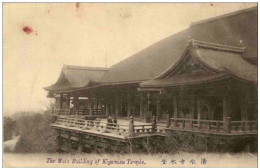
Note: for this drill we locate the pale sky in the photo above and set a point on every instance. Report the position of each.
(39, 38)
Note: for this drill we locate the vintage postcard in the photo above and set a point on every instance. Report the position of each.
(130, 85)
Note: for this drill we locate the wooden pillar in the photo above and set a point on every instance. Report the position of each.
(107, 108)
(59, 139)
(131, 127)
(174, 104)
(129, 105)
(117, 105)
(226, 108)
(192, 108)
(68, 100)
(75, 102)
(154, 126)
(168, 123)
(149, 103)
(158, 108)
(243, 108)
(80, 145)
(199, 111)
(68, 140)
(61, 100)
(141, 105)
(90, 108)
(68, 103)
(121, 104)
(112, 107)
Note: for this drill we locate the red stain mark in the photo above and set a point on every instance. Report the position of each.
(77, 5)
(27, 30)
(211, 4)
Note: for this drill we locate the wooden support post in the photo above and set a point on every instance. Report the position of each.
(68, 103)
(175, 123)
(192, 107)
(76, 105)
(59, 139)
(90, 108)
(141, 105)
(154, 127)
(218, 126)
(131, 127)
(107, 108)
(168, 124)
(199, 112)
(174, 104)
(228, 125)
(129, 104)
(68, 140)
(80, 145)
(148, 101)
(158, 108)
(112, 107)
(226, 109)
(61, 100)
(117, 105)
(183, 123)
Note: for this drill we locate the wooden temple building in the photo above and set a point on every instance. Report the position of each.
(202, 79)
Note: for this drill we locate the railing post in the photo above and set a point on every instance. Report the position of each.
(168, 121)
(154, 124)
(199, 124)
(228, 125)
(131, 127)
(209, 125)
(176, 123)
(183, 123)
(191, 124)
(218, 127)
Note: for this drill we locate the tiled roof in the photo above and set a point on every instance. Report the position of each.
(73, 77)
(238, 29)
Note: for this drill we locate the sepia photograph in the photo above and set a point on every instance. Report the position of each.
(130, 85)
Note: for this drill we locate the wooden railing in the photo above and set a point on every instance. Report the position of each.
(61, 111)
(81, 111)
(130, 130)
(99, 112)
(243, 126)
(96, 112)
(96, 125)
(227, 126)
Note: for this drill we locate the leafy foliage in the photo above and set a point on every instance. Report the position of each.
(36, 133)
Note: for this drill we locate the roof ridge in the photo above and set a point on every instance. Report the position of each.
(84, 67)
(223, 16)
(215, 46)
